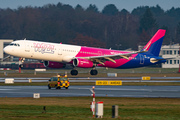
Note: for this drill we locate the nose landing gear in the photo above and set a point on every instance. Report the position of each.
(21, 61)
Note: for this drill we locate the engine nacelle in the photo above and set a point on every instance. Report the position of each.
(51, 64)
(83, 63)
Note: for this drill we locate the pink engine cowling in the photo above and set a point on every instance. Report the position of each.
(51, 64)
(83, 63)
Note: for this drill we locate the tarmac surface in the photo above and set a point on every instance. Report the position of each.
(110, 91)
(94, 79)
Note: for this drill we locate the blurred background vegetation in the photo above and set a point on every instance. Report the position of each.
(109, 28)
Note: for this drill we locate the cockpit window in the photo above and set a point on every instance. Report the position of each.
(11, 44)
(14, 44)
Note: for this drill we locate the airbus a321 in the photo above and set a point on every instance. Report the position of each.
(58, 55)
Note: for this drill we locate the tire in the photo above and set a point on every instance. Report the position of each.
(93, 72)
(66, 87)
(49, 87)
(74, 72)
(21, 65)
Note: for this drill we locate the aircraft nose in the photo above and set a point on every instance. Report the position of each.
(6, 50)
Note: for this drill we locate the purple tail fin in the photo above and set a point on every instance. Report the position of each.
(154, 45)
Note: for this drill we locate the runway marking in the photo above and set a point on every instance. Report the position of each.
(151, 90)
(8, 89)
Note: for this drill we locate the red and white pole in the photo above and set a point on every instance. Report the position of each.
(19, 65)
(93, 101)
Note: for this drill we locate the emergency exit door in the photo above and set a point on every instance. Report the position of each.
(27, 46)
(60, 49)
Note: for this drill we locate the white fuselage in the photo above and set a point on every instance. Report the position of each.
(43, 50)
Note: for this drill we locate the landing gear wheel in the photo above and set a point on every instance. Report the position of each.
(21, 65)
(74, 72)
(93, 72)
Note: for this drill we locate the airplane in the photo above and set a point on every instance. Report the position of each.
(56, 55)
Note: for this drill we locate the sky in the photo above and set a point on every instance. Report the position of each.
(120, 4)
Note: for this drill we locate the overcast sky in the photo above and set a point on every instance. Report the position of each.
(120, 4)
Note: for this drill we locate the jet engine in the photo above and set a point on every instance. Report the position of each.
(83, 63)
(51, 64)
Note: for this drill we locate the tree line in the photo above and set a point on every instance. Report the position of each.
(109, 28)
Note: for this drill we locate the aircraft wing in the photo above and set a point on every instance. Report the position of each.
(112, 58)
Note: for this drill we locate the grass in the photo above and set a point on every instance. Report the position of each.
(78, 108)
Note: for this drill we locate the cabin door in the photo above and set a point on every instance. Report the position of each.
(99, 53)
(60, 49)
(141, 59)
(27, 46)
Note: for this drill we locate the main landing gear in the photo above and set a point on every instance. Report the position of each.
(92, 72)
(74, 72)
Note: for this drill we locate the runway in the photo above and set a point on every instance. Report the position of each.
(110, 91)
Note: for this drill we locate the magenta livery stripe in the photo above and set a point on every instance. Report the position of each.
(119, 62)
(89, 51)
